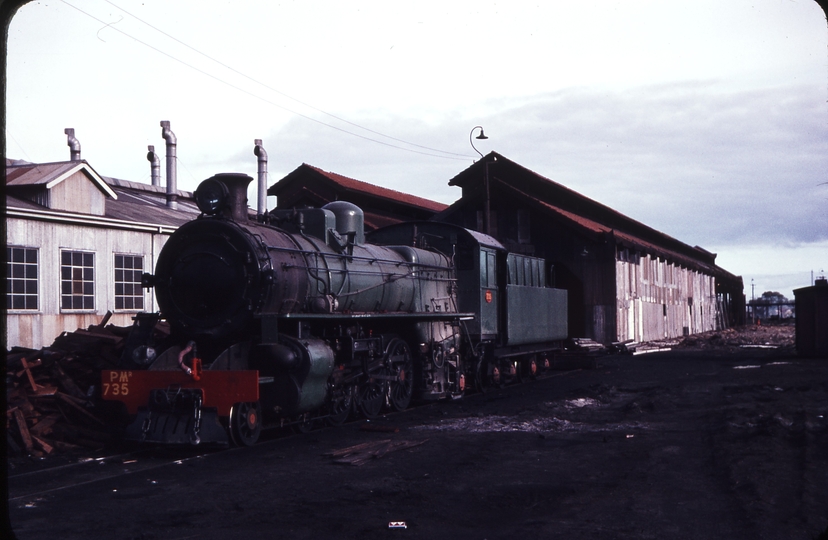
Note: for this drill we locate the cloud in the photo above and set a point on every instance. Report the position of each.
(708, 166)
(700, 164)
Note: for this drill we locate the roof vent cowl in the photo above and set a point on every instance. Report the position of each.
(260, 152)
(155, 167)
(172, 188)
(74, 144)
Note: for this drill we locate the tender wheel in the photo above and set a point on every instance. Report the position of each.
(532, 369)
(495, 377)
(482, 378)
(400, 366)
(489, 376)
(245, 423)
(370, 398)
(515, 373)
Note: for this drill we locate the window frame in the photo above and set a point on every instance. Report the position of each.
(24, 280)
(81, 275)
(133, 284)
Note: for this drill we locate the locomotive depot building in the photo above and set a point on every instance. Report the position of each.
(626, 281)
(77, 244)
(309, 186)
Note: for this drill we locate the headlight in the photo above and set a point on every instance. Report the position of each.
(211, 196)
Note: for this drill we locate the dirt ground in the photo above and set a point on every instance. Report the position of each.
(710, 439)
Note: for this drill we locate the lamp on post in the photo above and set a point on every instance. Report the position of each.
(487, 228)
(481, 137)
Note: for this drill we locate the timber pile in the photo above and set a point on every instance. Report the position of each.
(586, 345)
(53, 393)
(363, 453)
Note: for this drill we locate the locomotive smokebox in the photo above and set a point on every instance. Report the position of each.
(224, 194)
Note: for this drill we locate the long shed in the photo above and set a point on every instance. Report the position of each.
(309, 186)
(626, 281)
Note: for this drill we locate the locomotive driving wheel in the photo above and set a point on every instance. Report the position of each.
(340, 406)
(245, 423)
(304, 423)
(401, 368)
(370, 397)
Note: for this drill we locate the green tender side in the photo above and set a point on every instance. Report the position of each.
(535, 314)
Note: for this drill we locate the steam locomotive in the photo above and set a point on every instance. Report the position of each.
(296, 318)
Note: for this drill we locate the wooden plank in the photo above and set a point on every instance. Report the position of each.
(67, 383)
(24, 430)
(105, 319)
(363, 453)
(44, 426)
(355, 448)
(70, 401)
(376, 428)
(26, 368)
(46, 447)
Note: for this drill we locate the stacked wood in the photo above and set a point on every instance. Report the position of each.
(53, 393)
(586, 345)
(361, 454)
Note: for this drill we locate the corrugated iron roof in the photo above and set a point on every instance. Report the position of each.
(132, 202)
(21, 173)
(351, 184)
(586, 214)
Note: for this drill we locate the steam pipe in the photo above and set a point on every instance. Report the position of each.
(74, 144)
(172, 188)
(155, 168)
(260, 152)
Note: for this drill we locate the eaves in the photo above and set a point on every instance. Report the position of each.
(87, 220)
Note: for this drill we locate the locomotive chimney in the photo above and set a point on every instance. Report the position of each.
(259, 151)
(236, 184)
(74, 144)
(172, 188)
(155, 168)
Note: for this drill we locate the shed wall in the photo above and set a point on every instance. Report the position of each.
(660, 300)
(36, 329)
(77, 194)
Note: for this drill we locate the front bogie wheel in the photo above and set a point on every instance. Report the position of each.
(245, 423)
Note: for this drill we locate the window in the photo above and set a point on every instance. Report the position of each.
(77, 280)
(488, 270)
(523, 227)
(21, 278)
(128, 292)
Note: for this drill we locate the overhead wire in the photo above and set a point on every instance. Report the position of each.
(251, 94)
(248, 77)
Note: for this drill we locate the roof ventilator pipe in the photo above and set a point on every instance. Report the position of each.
(172, 189)
(155, 168)
(74, 144)
(260, 152)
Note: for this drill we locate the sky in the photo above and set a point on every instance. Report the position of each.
(706, 120)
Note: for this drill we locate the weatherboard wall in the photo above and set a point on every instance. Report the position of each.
(38, 328)
(657, 299)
